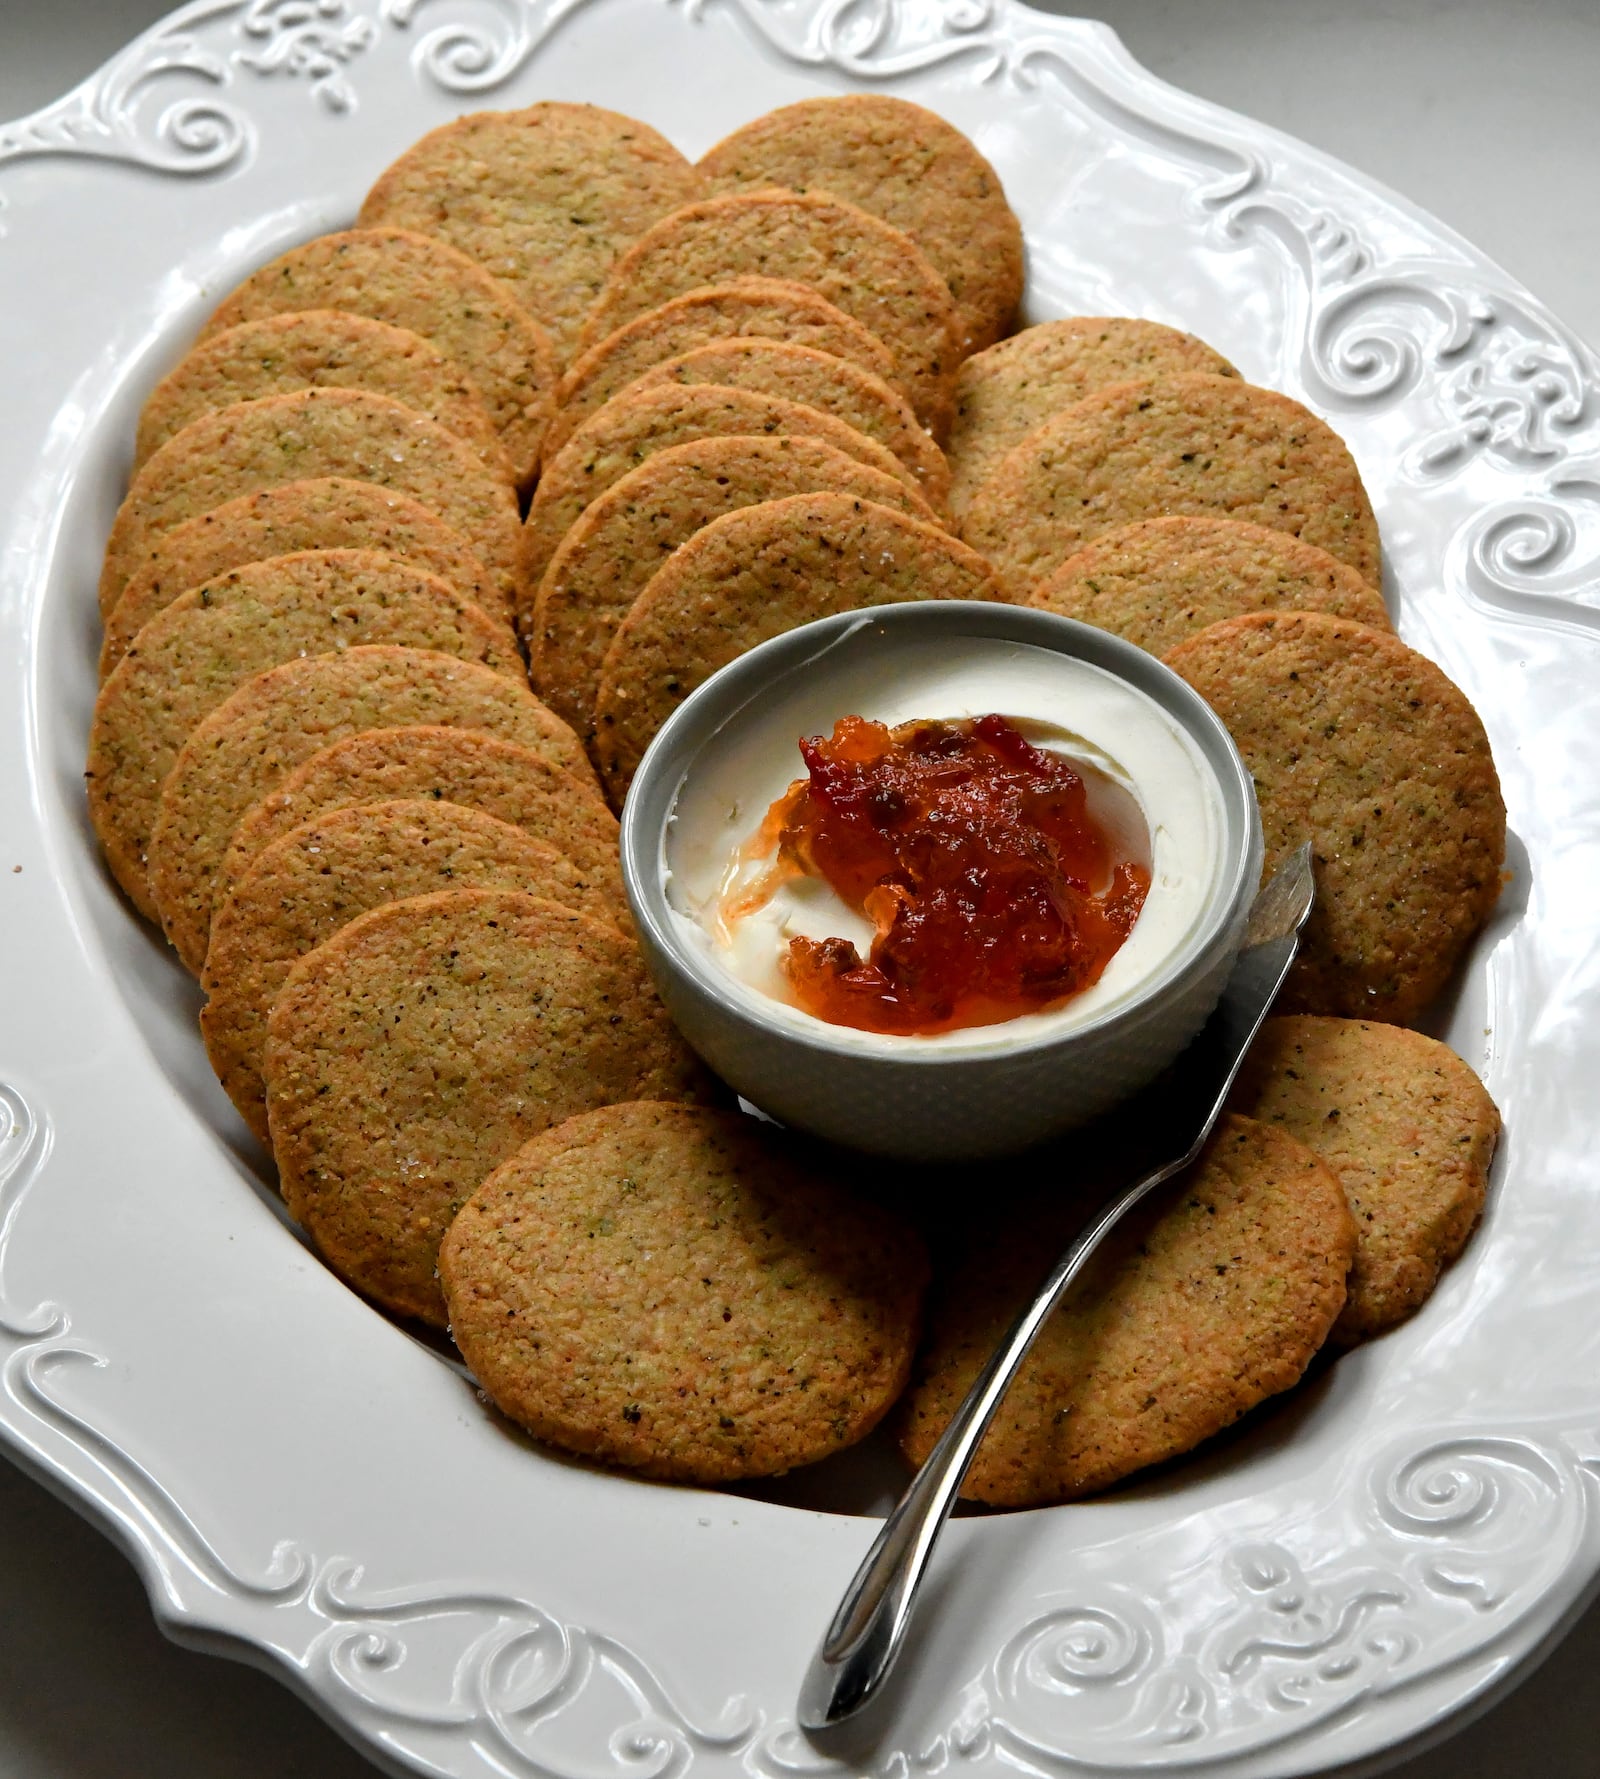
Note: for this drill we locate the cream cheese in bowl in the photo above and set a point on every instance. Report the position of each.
(1109, 729)
(1164, 761)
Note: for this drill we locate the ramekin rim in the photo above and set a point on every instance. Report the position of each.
(754, 671)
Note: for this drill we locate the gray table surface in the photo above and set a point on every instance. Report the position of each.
(1481, 111)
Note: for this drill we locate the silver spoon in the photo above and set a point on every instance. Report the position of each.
(867, 1630)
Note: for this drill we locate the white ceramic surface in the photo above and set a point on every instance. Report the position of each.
(295, 1477)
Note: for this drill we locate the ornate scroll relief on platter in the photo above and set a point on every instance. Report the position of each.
(1317, 1591)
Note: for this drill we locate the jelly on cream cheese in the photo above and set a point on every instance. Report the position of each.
(1058, 703)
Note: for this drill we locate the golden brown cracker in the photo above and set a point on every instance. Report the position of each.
(545, 198)
(1177, 445)
(1363, 747)
(1408, 1129)
(753, 575)
(443, 764)
(318, 349)
(325, 513)
(1160, 581)
(674, 1290)
(905, 164)
(621, 539)
(1004, 393)
(872, 271)
(418, 282)
(304, 887)
(276, 720)
(423, 1044)
(198, 651)
(816, 380)
(632, 427)
(741, 308)
(316, 432)
(1205, 1300)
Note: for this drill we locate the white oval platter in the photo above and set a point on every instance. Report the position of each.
(302, 1484)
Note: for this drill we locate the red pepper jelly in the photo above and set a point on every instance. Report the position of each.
(996, 884)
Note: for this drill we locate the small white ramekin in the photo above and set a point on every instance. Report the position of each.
(935, 1105)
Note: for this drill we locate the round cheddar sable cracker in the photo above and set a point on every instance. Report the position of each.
(1363, 747)
(206, 644)
(742, 308)
(326, 513)
(1161, 581)
(1408, 1129)
(316, 432)
(905, 164)
(276, 720)
(420, 283)
(319, 349)
(545, 198)
(872, 271)
(752, 575)
(1204, 1301)
(424, 1044)
(634, 426)
(1189, 444)
(450, 765)
(628, 533)
(815, 380)
(1004, 393)
(301, 889)
(673, 1290)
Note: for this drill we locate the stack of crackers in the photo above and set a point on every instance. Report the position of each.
(443, 515)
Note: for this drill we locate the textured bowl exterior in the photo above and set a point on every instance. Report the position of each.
(935, 1107)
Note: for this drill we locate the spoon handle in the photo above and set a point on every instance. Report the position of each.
(866, 1632)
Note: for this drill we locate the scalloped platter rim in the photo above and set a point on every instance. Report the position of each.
(302, 1484)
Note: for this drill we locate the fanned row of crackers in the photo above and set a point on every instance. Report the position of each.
(438, 521)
